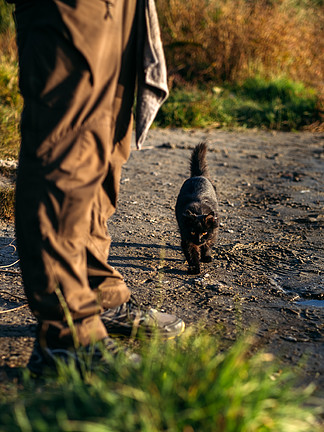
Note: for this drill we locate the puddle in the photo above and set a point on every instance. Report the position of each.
(298, 298)
(313, 303)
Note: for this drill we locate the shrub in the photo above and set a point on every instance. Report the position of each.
(229, 40)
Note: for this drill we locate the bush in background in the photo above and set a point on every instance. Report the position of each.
(231, 40)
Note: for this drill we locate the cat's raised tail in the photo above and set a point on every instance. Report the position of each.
(198, 163)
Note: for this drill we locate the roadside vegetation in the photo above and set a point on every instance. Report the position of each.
(241, 63)
(10, 99)
(279, 104)
(231, 40)
(10, 108)
(232, 64)
(180, 386)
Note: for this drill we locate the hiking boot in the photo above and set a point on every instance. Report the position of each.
(44, 361)
(129, 320)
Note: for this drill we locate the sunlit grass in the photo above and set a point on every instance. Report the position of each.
(184, 385)
(279, 104)
(231, 40)
(10, 108)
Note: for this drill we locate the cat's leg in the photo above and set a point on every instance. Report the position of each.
(206, 254)
(192, 255)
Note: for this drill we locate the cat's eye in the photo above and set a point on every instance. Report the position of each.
(193, 233)
(205, 233)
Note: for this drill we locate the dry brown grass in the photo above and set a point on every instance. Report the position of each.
(8, 45)
(7, 198)
(233, 39)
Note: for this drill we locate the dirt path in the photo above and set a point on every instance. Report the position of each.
(268, 264)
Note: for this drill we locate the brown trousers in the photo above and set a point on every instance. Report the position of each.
(77, 76)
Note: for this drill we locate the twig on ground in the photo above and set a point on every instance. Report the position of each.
(9, 265)
(14, 309)
(12, 295)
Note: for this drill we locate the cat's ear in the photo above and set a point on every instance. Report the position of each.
(188, 214)
(210, 218)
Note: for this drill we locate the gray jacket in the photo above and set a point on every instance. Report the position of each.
(152, 88)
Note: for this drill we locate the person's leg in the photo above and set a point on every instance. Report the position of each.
(70, 57)
(107, 282)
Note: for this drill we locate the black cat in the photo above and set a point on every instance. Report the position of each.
(197, 212)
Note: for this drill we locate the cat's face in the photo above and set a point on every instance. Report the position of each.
(200, 228)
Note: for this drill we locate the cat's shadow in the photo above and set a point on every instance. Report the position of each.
(15, 331)
(145, 245)
(130, 261)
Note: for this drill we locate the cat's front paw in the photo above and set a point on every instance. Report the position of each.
(206, 259)
(193, 270)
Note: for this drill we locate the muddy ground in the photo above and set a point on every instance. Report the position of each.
(267, 270)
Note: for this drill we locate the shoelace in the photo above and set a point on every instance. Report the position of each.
(130, 306)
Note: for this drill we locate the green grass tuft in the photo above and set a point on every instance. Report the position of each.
(185, 385)
(279, 104)
(10, 108)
